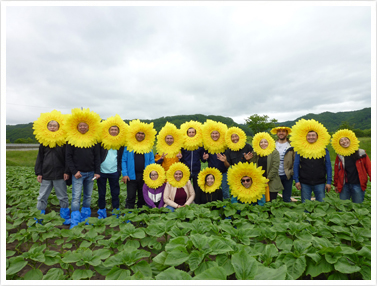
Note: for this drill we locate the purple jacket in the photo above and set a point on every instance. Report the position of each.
(149, 193)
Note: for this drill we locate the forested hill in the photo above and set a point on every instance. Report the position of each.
(360, 119)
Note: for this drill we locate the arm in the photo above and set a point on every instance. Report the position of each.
(159, 159)
(224, 158)
(255, 158)
(39, 164)
(368, 166)
(336, 175)
(97, 161)
(296, 171)
(119, 160)
(150, 159)
(167, 200)
(191, 193)
(69, 159)
(201, 154)
(328, 167)
(147, 200)
(275, 162)
(124, 166)
(161, 204)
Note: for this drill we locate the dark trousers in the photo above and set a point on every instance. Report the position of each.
(287, 191)
(273, 196)
(194, 178)
(114, 189)
(133, 187)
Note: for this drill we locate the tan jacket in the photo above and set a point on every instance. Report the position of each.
(289, 159)
(170, 191)
(273, 161)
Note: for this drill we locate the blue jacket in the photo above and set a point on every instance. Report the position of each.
(296, 168)
(128, 163)
(192, 159)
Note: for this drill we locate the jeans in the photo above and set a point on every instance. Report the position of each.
(260, 202)
(353, 191)
(170, 208)
(114, 189)
(225, 186)
(287, 191)
(133, 187)
(86, 183)
(306, 192)
(45, 190)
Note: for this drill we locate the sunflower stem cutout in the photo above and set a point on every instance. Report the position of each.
(44, 135)
(144, 146)
(257, 188)
(242, 138)
(74, 137)
(192, 143)
(163, 147)
(302, 146)
(214, 147)
(340, 150)
(257, 148)
(113, 142)
(202, 179)
(154, 184)
(178, 166)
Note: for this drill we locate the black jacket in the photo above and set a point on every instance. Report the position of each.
(83, 159)
(103, 153)
(50, 163)
(234, 157)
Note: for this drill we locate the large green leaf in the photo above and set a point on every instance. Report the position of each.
(200, 241)
(173, 274)
(82, 274)
(54, 274)
(338, 276)
(295, 266)
(322, 266)
(143, 267)
(71, 257)
(102, 253)
(224, 261)
(204, 266)
(346, 266)
(366, 272)
(219, 246)
(118, 274)
(214, 273)
(266, 273)
(244, 265)
(34, 274)
(177, 256)
(195, 258)
(176, 242)
(283, 242)
(16, 264)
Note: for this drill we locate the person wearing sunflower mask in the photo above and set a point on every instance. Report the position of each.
(209, 181)
(267, 157)
(50, 167)
(154, 186)
(179, 191)
(352, 166)
(312, 166)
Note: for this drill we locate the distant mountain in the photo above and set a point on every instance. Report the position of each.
(360, 119)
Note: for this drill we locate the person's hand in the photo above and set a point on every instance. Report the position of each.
(328, 187)
(163, 156)
(179, 206)
(78, 175)
(248, 156)
(39, 179)
(179, 155)
(205, 156)
(125, 179)
(298, 186)
(221, 157)
(66, 177)
(97, 176)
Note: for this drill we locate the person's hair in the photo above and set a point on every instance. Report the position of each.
(114, 126)
(312, 131)
(205, 179)
(53, 121)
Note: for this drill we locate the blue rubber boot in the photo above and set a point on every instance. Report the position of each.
(75, 218)
(113, 212)
(40, 220)
(65, 213)
(85, 214)
(102, 213)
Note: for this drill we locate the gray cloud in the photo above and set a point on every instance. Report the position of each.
(148, 62)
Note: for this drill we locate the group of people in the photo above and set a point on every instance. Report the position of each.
(82, 147)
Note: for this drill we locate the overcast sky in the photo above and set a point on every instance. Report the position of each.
(147, 62)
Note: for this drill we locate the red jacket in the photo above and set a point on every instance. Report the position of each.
(362, 166)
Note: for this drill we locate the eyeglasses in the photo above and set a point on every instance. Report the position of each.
(245, 180)
(153, 175)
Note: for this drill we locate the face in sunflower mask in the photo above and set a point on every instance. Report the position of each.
(246, 181)
(53, 126)
(344, 142)
(83, 127)
(169, 140)
(114, 130)
(140, 136)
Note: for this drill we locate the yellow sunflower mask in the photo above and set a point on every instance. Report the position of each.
(178, 167)
(354, 142)
(202, 179)
(212, 146)
(144, 146)
(154, 184)
(256, 190)
(92, 136)
(241, 142)
(302, 146)
(256, 140)
(113, 142)
(163, 147)
(192, 143)
(45, 136)
(276, 129)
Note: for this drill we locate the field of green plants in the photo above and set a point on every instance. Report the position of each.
(329, 240)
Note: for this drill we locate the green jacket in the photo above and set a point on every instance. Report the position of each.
(289, 159)
(273, 161)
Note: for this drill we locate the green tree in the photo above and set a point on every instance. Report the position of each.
(346, 125)
(260, 123)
